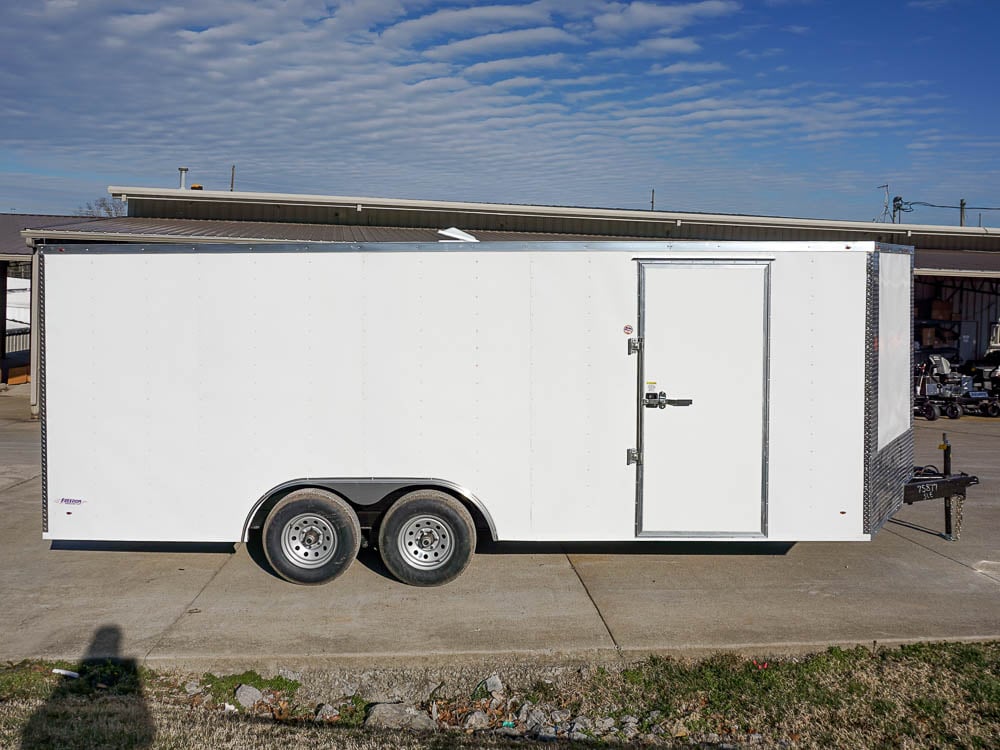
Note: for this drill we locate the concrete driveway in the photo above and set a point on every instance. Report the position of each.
(207, 608)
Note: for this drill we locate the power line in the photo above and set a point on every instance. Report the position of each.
(936, 205)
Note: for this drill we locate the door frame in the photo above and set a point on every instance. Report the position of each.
(641, 265)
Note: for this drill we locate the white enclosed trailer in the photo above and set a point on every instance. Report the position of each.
(415, 393)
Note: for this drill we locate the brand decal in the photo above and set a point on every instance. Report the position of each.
(70, 501)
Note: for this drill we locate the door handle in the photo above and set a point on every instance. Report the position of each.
(660, 401)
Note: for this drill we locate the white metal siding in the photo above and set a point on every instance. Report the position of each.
(505, 372)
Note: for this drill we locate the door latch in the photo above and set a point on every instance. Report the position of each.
(660, 401)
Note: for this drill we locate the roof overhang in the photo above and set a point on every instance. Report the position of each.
(958, 272)
(900, 232)
(34, 235)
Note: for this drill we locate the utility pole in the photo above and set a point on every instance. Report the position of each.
(232, 178)
(652, 199)
(961, 212)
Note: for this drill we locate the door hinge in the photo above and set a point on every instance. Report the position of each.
(634, 346)
(632, 457)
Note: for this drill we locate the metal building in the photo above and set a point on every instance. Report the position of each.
(957, 289)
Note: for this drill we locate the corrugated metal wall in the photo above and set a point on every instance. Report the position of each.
(971, 299)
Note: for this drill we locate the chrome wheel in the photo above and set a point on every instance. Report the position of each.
(308, 540)
(426, 542)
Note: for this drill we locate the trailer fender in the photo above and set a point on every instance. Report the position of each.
(366, 492)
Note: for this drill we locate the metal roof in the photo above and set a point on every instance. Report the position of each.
(174, 215)
(392, 212)
(929, 262)
(13, 245)
(131, 229)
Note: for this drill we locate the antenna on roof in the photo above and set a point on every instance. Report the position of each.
(884, 216)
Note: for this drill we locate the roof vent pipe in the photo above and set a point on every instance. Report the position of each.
(183, 171)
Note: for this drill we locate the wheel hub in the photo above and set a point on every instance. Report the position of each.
(309, 540)
(425, 541)
(311, 537)
(428, 539)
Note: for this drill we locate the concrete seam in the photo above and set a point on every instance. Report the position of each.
(946, 557)
(22, 482)
(184, 611)
(618, 648)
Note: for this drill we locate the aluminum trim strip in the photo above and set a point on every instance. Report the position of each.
(702, 535)
(42, 401)
(886, 470)
(754, 249)
(871, 383)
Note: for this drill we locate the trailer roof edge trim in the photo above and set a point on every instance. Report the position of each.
(642, 249)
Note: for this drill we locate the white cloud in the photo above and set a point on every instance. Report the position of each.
(501, 42)
(507, 64)
(529, 102)
(749, 54)
(654, 47)
(682, 68)
(450, 22)
(629, 17)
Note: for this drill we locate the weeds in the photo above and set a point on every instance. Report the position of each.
(921, 695)
(352, 714)
(223, 689)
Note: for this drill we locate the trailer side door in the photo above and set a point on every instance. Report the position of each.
(702, 401)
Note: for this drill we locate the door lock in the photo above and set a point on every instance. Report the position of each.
(660, 401)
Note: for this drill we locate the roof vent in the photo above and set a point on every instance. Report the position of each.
(456, 235)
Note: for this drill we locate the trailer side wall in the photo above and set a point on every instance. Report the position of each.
(180, 387)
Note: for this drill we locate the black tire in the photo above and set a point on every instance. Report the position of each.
(311, 536)
(427, 538)
(993, 409)
(953, 411)
(930, 411)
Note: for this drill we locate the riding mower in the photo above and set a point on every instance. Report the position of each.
(940, 390)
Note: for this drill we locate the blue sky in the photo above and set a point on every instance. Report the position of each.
(785, 107)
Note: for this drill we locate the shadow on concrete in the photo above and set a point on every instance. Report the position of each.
(367, 556)
(216, 547)
(370, 558)
(486, 547)
(103, 708)
(255, 548)
(917, 527)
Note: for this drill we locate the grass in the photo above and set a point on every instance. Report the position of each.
(223, 689)
(924, 695)
(352, 714)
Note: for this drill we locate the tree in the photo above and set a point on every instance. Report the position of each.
(103, 207)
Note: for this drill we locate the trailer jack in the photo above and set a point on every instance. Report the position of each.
(929, 484)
